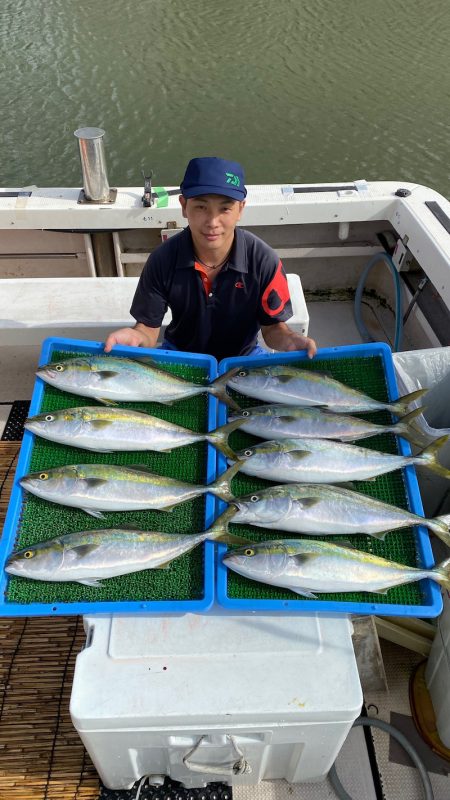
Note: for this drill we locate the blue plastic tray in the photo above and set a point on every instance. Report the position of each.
(432, 604)
(12, 521)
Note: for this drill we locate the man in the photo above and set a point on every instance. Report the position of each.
(222, 283)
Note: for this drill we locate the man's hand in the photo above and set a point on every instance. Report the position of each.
(298, 342)
(281, 337)
(140, 336)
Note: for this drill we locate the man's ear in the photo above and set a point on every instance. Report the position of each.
(241, 207)
(183, 202)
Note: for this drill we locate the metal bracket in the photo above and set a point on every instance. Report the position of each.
(147, 197)
(111, 199)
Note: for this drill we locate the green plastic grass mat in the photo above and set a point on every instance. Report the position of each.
(42, 520)
(367, 375)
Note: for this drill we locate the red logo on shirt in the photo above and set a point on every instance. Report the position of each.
(276, 293)
(239, 285)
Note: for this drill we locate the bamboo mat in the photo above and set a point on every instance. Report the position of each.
(41, 754)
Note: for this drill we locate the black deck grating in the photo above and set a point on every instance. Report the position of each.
(13, 431)
(170, 790)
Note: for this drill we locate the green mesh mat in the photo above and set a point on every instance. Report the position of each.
(367, 375)
(42, 520)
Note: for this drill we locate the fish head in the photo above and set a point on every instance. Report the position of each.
(265, 506)
(261, 561)
(52, 483)
(250, 379)
(262, 455)
(56, 424)
(39, 561)
(69, 373)
(250, 413)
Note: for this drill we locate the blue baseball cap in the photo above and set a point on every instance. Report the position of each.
(213, 176)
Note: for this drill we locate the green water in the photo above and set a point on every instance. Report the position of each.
(296, 90)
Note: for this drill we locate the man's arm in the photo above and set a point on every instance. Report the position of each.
(281, 337)
(139, 336)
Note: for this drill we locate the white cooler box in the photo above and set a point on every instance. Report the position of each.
(437, 672)
(211, 698)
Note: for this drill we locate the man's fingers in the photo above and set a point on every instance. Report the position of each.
(109, 344)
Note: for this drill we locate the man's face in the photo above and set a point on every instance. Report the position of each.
(212, 219)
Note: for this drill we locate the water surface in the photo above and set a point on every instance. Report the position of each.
(296, 90)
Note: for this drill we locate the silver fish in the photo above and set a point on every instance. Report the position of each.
(111, 379)
(324, 461)
(102, 487)
(89, 556)
(322, 509)
(107, 430)
(300, 387)
(308, 567)
(289, 422)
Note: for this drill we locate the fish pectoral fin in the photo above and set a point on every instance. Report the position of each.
(284, 378)
(302, 558)
(94, 582)
(93, 513)
(166, 565)
(106, 402)
(100, 423)
(82, 550)
(308, 502)
(94, 483)
(303, 592)
(107, 373)
(299, 455)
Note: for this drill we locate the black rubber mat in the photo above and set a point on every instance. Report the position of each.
(170, 790)
(13, 431)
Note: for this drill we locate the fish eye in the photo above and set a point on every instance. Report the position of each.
(242, 373)
(59, 368)
(43, 476)
(248, 452)
(254, 498)
(246, 413)
(49, 418)
(249, 552)
(28, 554)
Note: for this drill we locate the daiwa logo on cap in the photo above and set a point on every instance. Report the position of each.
(212, 175)
(233, 179)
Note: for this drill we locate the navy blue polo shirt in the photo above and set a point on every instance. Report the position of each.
(250, 290)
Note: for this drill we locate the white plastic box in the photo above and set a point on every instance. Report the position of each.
(437, 672)
(149, 691)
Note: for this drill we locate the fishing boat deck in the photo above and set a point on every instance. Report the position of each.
(41, 754)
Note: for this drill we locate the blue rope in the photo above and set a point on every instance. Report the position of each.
(365, 335)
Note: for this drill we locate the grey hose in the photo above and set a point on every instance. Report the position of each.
(401, 739)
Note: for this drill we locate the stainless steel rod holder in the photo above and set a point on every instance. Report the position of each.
(93, 164)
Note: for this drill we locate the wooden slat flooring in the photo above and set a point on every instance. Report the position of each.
(41, 754)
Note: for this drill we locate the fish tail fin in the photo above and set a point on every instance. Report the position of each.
(400, 406)
(404, 427)
(222, 485)
(428, 457)
(218, 388)
(442, 573)
(219, 531)
(441, 527)
(219, 437)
